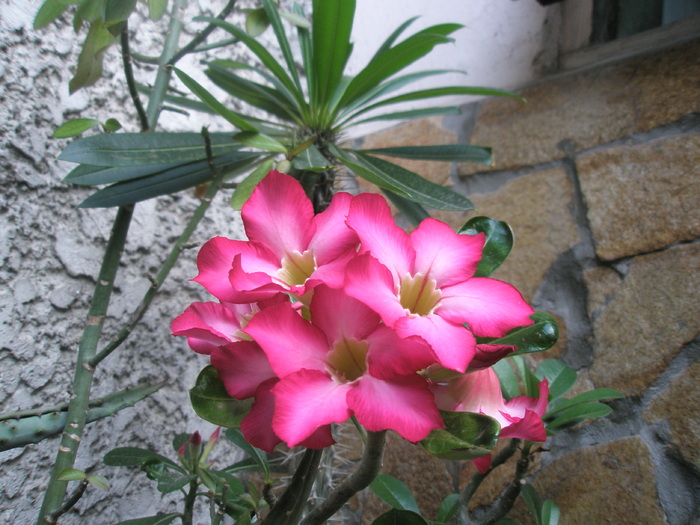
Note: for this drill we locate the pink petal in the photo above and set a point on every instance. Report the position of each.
(445, 256)
(490, 307)
(403, 404)
(369, 281)
(488, 355)
(529, 427)
(290, 342)
(206, 326)
(371, 218)
(251, 287)
(322, 438)
(257, 425)
(483, 463)
(305, 401)
(214, 263)
(478, 392)
(333, 238)
(242, 367)
(340, 316)
(518, 405)
(331, 273)
(390, 355)
(452, 344)
(279, 215)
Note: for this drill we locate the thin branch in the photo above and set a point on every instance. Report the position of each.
(130, 82)
(145, 59)
(201, 36)
(368, 469)
(70, 502)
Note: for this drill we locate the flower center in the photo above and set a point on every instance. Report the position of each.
(418, 294)
(348, 359)
(297, 268)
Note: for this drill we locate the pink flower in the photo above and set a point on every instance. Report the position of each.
(422, 284)
(343, 363)
(480, 392)
(289, 248)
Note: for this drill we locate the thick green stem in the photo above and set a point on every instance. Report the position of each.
(368, 469)
(82, 380)
(130, 82)
(188, 512)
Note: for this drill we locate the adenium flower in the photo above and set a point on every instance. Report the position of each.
(423, 284)
(289, 248)
(480, 392)
(343, 362)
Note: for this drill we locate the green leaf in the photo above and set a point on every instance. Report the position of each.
(332, 26)
(256, 21)
(257, 455)
(532, 500)
(257, 140)
(386, 45)
(168, 181)
(179, 440)
(541, 335)
(139, 149)
(112, 124)
(311, 159)
(70, 474)
(530, 381)
(393, 492)
(599, 394)
(466, 436)
(134, 457)
(448, 508)
(510, 384)
(170, 481)
(118, 10)
(87, 175)
(75, 127)
(439, 153)
(212, 403)
(245, 189)
(412, 114)
(156, 9)
(296, 19)
(89, 69)
(575, 414)
(400, 517)
(273, 15)
(498, 242)
(550, 513)
(195, 87)
(559, 376)
(412, 185)
(160, 519)
(414, 212)
(99, 482)
(48, 12)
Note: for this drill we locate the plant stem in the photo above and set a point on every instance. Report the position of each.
(188, 512)
(130, 82)
(70, 502)
(368, 469)
(82, 381)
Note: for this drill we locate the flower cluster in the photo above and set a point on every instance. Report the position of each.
(323, 317)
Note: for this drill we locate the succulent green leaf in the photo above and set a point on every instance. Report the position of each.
(599, 394)
(99, 482)
(135, 457)
(311, 159)
(575, 414)
(438, 153)
(414, 212)
(498, 242)
(559, 376)
(87, 175)
(550, 513)
(257, 455)
(75, 127)
(160, 519)
(257, 140)
(118, 10)
(156, 9)
(533, 502)
(510, 384)
(539, 336)
(256, 21)
(139, 149)
(245, 189)
(89, 69)
(466, 436)
(212, 403)
(49, 11)
(179, 440)
(448, 508)
(393, 492)
(70, 474)
(400, 517)
(170, 481)
(112, 124)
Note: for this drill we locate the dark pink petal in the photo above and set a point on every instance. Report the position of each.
(214, 263)
(305, 401)
(402, 404)
(491, 307)
(370, 282)
(483, 463)
(488, 355)
(452, 344)
(290, 342)
(322, 438)
(340, 316)
(333, 238)
(331, 273)
(242, 367)
(279, 215)
(206, 326)
(528, 427)
(371, 218)
(445, 256)
(257, 425)
(390, 355)
(517, 406)
(251, 287)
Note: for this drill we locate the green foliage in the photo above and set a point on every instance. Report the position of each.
(544, 513)
(400, 517)
(394, 493)
(212, 403)
(497, 244)
(160, 519)
(537, 337)
(466, 436)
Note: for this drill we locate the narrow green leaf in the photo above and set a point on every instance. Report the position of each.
(245, 188)
(156, 9)
(87, 175)
(530, 381)
(466, 436)
(572, 415)
(311, 159)
(550, 513)
(599, 394)
(273, 15)
(365, 171)
(118, 10)
(49, 11)
(400, 517)
(296, 19)
(75, 127)
(498, 242)
(160, 519)
(510, 385)
(70, 474)
(415, 187)
(99, 482)
(139, 149)
(393, 492)
(438, 153)
(386, 45)
(256, 21)
(257, 140)
(448, 508)
(135, 457)
(559, 376)
(412, 114)
(255, 454)
(234, 118)
(532, 500)
(212, 403)
(306, 48)
(539, 336)
(112, 124)
(413, 211)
